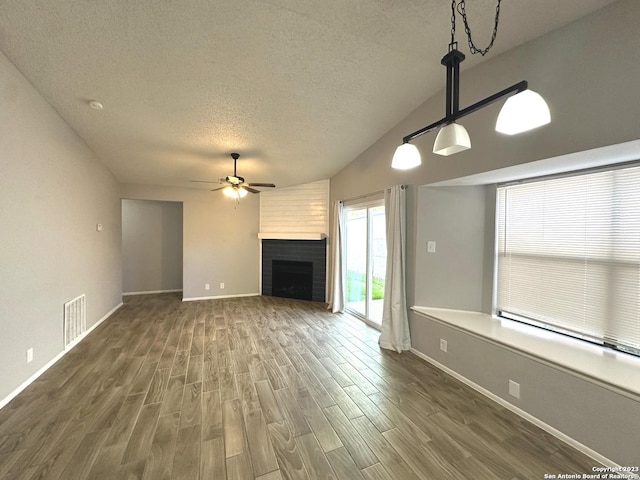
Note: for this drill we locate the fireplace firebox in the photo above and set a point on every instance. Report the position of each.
(292, 279)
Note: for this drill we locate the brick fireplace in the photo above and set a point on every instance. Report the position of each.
(300, 268)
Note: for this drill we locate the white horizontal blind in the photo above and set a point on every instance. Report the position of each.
(569, 255)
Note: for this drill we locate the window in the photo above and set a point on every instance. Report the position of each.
(366, 256)
(569, 255)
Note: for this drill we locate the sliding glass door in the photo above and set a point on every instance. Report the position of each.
(366, 257)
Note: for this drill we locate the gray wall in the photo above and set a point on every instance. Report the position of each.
(576, 69)
(220, 239)
(53, 192)
(587, 72)
(452, 277)
(593, 103)
(151, 246)
(602, 419)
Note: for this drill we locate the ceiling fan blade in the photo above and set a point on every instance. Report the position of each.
(219, 188)
(249, 189)
(202, 181)
(270, 185)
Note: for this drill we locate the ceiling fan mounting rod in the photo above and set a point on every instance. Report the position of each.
(235, 157)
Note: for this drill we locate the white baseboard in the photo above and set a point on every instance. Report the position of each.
(518, 411)
(49, 364)
(151, 292)
(194, 299)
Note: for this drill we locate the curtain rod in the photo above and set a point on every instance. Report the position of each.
(403, 187)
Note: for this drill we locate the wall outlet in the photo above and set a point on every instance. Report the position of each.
(514, 389)
(443, 345)
(431, 246)
(98, 227)
(222, 286)
(207, 286)
(29, 355)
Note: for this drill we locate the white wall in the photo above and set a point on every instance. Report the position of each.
(151, 246)
(53, 192)
(220, 239)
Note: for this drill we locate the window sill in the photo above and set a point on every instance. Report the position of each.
(615, 371)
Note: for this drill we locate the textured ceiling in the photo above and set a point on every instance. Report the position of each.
(298, 87)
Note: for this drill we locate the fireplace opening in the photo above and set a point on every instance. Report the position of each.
(292, 279)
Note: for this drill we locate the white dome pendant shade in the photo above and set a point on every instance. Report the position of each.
(406, 156)
(452, 138)
(521, 112)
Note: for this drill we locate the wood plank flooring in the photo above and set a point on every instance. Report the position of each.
(259, 388)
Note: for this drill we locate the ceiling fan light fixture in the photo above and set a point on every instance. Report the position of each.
(405, 157)
(452, 138)
(235, 192)
(522, 112)
(234, 186)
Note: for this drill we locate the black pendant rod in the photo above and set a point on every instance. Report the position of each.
(452, 61)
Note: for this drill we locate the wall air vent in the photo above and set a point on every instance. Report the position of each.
(75, 320)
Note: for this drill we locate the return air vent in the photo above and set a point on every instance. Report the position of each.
(75, 319)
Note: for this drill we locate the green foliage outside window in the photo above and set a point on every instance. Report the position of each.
(357, 287)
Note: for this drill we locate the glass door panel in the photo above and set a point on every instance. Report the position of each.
(378, 259)
(366, 257)
(357, 260)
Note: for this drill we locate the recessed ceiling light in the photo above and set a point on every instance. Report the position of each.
(96, 105)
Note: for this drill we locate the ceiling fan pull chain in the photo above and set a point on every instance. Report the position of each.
(467, 29)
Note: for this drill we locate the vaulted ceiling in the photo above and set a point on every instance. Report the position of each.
(298, 87)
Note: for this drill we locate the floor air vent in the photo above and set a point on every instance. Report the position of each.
(75, 319)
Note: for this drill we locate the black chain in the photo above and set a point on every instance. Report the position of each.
(467, 29)
(453, 25)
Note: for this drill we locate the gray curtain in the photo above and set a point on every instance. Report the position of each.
(395, 321)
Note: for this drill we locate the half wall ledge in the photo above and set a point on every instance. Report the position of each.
(615, 371)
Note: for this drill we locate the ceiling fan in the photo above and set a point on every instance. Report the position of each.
(234, 186)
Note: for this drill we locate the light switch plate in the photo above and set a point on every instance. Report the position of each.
(431, 246)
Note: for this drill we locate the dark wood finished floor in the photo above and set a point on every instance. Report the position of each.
(263, 388)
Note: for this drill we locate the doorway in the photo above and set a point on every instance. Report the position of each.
(151, 246)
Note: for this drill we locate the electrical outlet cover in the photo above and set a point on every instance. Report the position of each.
(514, 389)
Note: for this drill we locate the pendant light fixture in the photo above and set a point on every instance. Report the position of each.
(523, 111)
